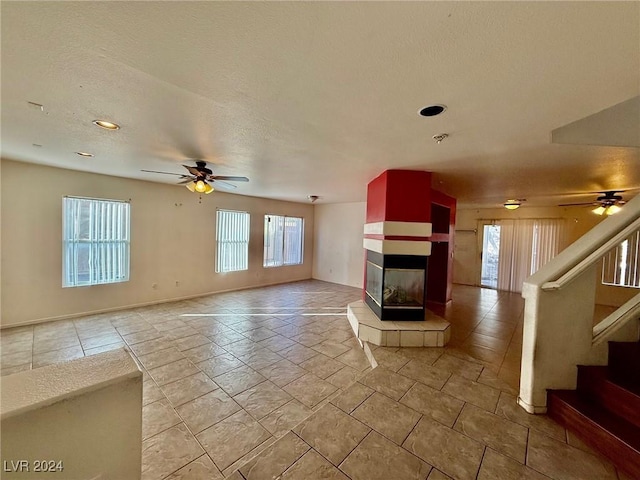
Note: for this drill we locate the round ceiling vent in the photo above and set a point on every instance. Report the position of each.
(432, 110)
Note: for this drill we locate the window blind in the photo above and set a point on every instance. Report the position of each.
(95, 241)
(232, 239)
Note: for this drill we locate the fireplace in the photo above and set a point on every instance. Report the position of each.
(395, 285)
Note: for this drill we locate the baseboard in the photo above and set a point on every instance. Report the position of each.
(534, 409)
(143, 304)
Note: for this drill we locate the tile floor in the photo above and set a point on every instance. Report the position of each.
(271, 383)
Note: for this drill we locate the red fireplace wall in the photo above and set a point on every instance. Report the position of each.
(399, 196)
(440, 273)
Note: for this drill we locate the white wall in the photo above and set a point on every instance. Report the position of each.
(338, 255)
(579, 220)
(172, 243)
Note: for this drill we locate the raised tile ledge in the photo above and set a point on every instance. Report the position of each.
(34, 389)
(433, 332)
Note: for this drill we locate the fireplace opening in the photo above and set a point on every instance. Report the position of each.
(395, 286)
(403, 288)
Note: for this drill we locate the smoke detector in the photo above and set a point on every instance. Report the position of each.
(440, 137)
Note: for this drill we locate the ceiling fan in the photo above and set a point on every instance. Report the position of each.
(200, 177)
(607, 203)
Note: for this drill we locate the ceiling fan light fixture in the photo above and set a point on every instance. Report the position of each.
(599, 210)
(200, 186)
(613, 209)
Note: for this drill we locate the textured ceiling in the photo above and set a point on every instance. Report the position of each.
(318, 98)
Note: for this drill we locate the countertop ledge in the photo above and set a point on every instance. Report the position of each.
(41, 387)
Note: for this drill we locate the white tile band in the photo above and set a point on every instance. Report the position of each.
(398, 247)
(409, 229)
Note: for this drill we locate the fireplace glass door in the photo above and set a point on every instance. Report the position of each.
(403, 288)
(374, 282)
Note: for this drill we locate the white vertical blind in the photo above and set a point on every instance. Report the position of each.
(506, 254)
(283, 240)
(292, 251)
(273, 240)
(95, 241)
(548, 239)
(232, 239)
(523, 239)
(525, 246)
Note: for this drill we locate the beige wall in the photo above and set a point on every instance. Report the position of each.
(0, 243)
(579, 220)
(85, 414)
(172, 243)
(338, 254)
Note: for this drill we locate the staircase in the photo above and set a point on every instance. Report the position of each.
(604, 410)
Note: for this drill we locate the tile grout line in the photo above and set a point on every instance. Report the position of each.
(371, 430)
(410, 432)
(484, 451)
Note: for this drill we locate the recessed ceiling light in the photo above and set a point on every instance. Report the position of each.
(432, 110)
(107, 125)
(84, 154)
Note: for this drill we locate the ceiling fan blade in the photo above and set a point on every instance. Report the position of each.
(164, 173)
(578, 204)
(193, 170)
(220, 183)
(185, 181)
(230, 178)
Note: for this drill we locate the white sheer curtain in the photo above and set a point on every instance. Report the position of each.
(526, 245)
(523, 239)
(505, 254)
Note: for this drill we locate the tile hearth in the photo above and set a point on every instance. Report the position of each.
(434, 331)
(271, 383)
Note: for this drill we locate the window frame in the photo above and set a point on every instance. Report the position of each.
(219, 243)
(266, 246)
(621, 264)
(115, 233)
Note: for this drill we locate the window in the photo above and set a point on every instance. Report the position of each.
(621, 265)
(232, 237)
(490, 256)
(95, 241)
(282, 240)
